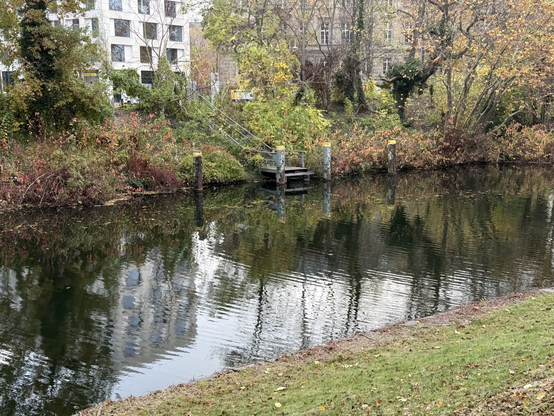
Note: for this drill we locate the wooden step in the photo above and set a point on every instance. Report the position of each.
(307, 173)
(272, 169)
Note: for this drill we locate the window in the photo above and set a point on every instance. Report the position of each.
(7, 78)
(94, 26)
(387, 62)
(56, 23)
(408, 34)
(176, 33)
(145, 54)
(144, 6)
(172, 56)
(75, 23)
(147, 77)
(388, 35)
(118, 53)
(324, 33)
(150, 30)
(345, 33)
(116, 5)
(171, 9)
(90, 5)
(122, 28)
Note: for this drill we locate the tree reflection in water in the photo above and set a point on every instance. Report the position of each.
(136, 297)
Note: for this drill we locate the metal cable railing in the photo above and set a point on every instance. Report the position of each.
(251, 139)
(248, 135)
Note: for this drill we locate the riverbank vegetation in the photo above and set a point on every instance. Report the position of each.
(486, 358)
(481, 93)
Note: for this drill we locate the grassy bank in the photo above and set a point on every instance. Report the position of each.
(487, 358)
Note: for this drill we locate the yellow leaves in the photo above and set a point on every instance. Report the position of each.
(277, 404)
(541, 395)
(321, 408)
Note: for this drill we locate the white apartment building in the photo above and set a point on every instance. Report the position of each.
(134, 34)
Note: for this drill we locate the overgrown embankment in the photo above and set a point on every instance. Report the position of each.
(95, 163)
(486, 358)
(91, 163)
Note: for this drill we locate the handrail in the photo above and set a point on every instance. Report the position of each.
(249, 135)
(234, 123)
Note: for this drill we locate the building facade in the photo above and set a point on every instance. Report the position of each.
(134, 34)
(327, 29)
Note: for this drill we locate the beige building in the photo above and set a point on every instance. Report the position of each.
(330, 29)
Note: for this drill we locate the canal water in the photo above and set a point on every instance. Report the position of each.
(108, 302)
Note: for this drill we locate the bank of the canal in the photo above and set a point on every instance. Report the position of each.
(490, 357)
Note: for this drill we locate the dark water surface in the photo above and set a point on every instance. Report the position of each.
(128, 299)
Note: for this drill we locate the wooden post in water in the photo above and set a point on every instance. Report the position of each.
(327, 161)
(392, 157)
(197, 171)
(280, 177)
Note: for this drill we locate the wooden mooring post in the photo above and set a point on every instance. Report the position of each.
(326, 161)
(197, 171)
(280, 165)
(392, 157)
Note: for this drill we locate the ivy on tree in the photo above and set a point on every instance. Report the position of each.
(405, 78)
(47, 83)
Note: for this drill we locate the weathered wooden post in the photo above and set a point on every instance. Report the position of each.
(327, 161)
(280, 164)
(197, 171)
(392, 157)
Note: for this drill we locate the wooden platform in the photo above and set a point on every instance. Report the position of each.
(291, 172)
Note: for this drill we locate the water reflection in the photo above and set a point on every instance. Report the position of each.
(133, 298)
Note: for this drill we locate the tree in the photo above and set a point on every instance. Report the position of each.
(52, 57)
(485, 49)
(267, 70)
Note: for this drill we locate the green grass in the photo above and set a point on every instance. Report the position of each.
(500, 363)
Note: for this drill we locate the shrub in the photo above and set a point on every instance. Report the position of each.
(358, 151)
(91, 164)
(282, 123)
(522, 143)
(217, 166)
